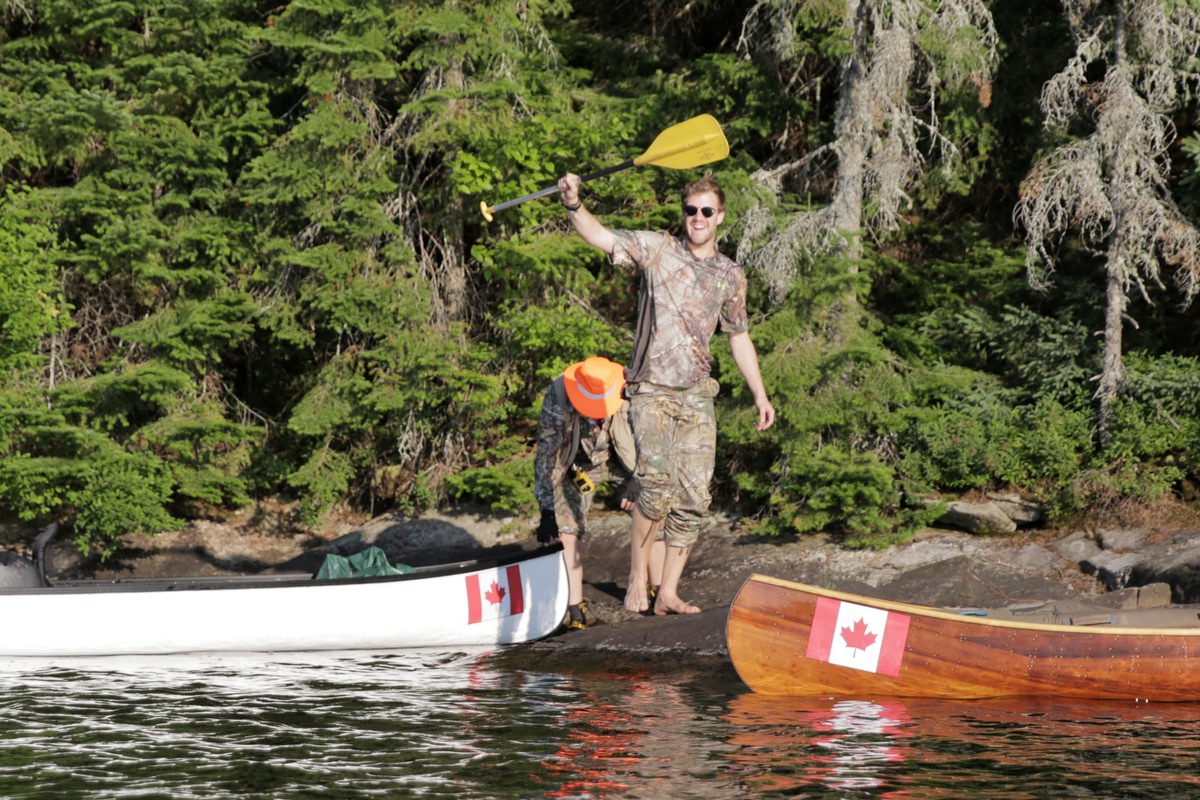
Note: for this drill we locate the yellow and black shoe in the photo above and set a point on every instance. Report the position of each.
(577, 616)
(651, 593)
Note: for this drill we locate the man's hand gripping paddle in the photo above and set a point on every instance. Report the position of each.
(689, 144)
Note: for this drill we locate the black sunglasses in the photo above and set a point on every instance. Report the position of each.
(707, 211)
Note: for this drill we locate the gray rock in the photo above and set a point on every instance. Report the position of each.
(986, 519)
(1076, 548)
(1114, 570)
(18, 572)
(1154, 595)
(1177, 564)
(1019, 510)
(1122, 539)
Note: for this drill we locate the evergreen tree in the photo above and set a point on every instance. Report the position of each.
(127, 122)
(897, 60)
(1111, 185)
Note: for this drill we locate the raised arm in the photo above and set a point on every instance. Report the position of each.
(590, 229)
(746, 358)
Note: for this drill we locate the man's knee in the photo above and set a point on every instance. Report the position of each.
(656, 497)
(681, 530)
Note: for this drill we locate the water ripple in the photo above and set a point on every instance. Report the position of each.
(451, 724)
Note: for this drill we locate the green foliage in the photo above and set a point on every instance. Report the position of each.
(506, 487)
(836, 490)
(323, 480)
(204, 453)
(52, 470)
(832, 444)
(31, 305)
(117, 497)
(979, 443)
(115, 452)
(122, 401)
(1190, 182)
(191, 335)
(242, 255)
(1155, 439)
(545, 340)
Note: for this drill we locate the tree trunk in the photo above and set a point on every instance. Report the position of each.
(450, 282)
(853, 130)
(1113, 374)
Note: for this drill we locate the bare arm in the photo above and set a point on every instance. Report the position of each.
(746, 358)
(590, 229)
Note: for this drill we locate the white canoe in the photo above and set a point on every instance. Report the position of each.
(505, 601)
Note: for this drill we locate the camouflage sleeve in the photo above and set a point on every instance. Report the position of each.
(551, 433)
(734, 318)
(632, 248)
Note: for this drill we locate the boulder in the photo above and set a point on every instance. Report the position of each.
(1019, 510)
(1114, 570)
(985, 519)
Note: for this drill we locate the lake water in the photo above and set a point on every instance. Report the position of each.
(458, 725)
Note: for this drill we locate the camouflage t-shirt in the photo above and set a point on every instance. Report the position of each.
(680, 302)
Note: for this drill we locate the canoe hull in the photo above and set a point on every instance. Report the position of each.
(495, 603)
(788, 638)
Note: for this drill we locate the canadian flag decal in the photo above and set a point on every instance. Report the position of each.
(850, 635)
(495, 594)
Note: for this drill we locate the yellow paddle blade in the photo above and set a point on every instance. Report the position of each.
(691, 143)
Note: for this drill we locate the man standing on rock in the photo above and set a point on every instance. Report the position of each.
(687, 287)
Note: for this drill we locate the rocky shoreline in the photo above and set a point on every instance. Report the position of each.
(1115, 568)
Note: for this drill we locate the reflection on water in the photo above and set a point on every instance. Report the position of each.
(1010, 748)
(453, 724)
(640, 735)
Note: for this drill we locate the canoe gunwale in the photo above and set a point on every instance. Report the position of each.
(274, 580)
(984, 621)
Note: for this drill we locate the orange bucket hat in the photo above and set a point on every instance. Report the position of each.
(594, 386)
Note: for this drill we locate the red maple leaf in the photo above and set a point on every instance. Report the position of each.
(496, 593)
(858, 637)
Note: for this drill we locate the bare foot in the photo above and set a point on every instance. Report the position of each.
(635, 597)
(663, 606)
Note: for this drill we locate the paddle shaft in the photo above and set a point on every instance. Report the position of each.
(549, 190)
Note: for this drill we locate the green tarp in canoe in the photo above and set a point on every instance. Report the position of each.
(369, 563)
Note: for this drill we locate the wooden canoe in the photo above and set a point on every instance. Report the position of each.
(503, 601)
(788, 638)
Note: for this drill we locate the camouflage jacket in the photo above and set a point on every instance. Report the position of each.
(556, 432)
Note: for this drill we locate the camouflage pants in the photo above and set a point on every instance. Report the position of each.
(676, 435)
(571, 506)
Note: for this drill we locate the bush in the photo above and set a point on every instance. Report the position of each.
(506, 487)
(121, 496)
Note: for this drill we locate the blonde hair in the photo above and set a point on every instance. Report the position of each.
(706, 184)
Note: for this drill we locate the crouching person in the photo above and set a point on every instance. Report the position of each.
(584, 439)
